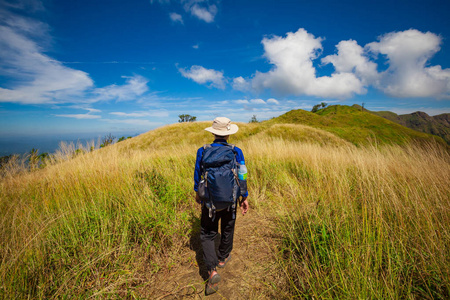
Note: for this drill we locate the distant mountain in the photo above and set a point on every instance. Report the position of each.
(437, 125)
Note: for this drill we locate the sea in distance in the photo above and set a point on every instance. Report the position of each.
(22, 144)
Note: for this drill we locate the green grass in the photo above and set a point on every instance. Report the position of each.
(76, 229)
(356, 126)
(366, 221)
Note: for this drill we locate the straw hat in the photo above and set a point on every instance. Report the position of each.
(222, 126)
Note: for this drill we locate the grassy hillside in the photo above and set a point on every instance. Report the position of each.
(356, 126)
(437, 125)
(345, 222)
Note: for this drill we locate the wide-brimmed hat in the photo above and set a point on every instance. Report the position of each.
(222, 126)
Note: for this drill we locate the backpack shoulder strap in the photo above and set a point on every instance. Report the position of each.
(205, 146)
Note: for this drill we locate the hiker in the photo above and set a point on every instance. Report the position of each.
(214, 208)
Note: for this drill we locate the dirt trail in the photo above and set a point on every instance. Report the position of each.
(246, 275)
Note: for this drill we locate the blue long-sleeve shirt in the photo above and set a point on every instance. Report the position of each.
(197, 172)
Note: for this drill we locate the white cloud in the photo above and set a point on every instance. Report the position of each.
(350, 59)
(257, 101)
(176, 18)
(202, 75)
(38, 77)
(242, 102)
(408, 74)
(139, 122)
(80, 116)
(85, 116)
(204, 10)
(89, 109)
(262, 112)
(142, 114)
(408, 53)
(196, 46)
(134, 115)
(240, 84)
(273, 101)
(134, 87)
(206, 14)
(30, 5)
(294, 73)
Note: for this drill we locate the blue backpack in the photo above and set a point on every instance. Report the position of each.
(219, 184)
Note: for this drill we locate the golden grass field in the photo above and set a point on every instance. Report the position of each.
(342, 221)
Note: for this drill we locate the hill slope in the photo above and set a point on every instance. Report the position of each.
(437, 125)
(327, 219)
(356, 126)
(189, 134)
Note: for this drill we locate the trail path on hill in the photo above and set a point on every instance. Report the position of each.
(245, 276)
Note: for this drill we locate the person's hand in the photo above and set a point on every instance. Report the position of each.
(197, 199)
(244, 206)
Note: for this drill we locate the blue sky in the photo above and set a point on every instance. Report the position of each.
(92, 67)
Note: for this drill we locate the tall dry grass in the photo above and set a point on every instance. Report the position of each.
(358, 222)
(350, 222)
(84, 226)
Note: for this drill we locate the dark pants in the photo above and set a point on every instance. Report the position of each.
(209, 232)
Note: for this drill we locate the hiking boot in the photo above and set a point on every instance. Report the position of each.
(222, 263)
(212, 285)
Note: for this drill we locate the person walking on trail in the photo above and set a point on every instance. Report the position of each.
(219, 191)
